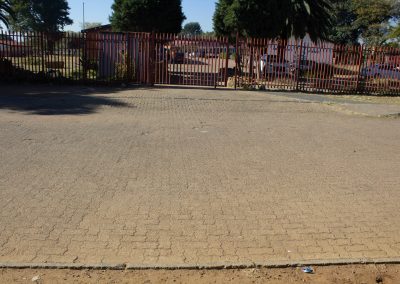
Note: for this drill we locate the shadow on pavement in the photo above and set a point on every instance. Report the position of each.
(56, 100)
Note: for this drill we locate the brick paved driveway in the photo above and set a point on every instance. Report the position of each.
(178, 176)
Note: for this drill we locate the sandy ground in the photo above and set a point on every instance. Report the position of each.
(329, 274)
(369, 99)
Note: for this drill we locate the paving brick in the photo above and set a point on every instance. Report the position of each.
(181, 176)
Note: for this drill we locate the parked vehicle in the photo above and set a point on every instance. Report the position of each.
(177, 57)
(306, 65)
(198, 54)
(272, 64)
(386, 71)
(212, 53)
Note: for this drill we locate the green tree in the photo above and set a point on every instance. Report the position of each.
(48, 16)
(374, 19)
(395, 32)
(279, 19)
(344, 31)
(5, 12)
(367, 20)
(192, 29)
(45, 16)
(147, 16)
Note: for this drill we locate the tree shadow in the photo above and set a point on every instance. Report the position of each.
(57, 100)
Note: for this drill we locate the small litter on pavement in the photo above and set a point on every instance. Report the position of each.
(307, 269)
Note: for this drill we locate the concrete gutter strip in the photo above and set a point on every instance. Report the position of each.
(211, 266)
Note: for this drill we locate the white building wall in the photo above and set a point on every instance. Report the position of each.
(321, 52)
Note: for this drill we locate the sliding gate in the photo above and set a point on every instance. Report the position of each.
(196, 61)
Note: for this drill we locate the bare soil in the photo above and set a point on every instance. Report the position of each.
(326, 274)
(391, 100)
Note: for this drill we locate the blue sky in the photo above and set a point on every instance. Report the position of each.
(99, 10)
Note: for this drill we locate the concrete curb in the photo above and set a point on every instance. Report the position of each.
(392, 115)
(210, 266)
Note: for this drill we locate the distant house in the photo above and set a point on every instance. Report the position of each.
(321, 52)
(109, 50)
(99, 29)
(92, 40)
(10, 48)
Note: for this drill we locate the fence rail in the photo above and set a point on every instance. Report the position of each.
(144, 58)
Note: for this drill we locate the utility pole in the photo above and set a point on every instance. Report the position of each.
(83, 23)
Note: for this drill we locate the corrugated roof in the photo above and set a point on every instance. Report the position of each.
(98, 29)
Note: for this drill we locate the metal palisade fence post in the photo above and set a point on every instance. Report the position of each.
(156, 58)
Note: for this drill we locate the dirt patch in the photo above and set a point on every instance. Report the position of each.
(390, 100)
(326, 274)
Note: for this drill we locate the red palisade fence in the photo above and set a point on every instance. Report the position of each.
(149, 58)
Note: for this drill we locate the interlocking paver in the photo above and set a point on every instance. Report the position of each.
(170, 177)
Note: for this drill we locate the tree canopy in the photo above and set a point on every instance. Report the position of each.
(147, 16)
(273, 18)
(47, 16)
(369, 21)
(340, 21)
(192, 29)
(5, 11)
(374, 19)
(343, 29)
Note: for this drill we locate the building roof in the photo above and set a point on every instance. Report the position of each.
(103, 28)
(9, 42)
